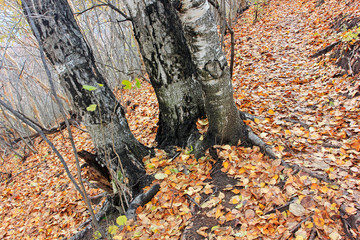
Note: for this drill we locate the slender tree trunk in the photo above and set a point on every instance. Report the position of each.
(225, 124)
(172, 73)
(69, 53)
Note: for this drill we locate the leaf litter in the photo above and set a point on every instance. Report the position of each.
(304, 109)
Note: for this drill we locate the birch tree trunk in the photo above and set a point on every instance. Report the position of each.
(172, 72)
(71, 56)
(225, 124)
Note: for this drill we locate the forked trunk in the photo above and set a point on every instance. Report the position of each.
(225, 124)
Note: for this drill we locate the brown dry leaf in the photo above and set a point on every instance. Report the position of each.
(249, 214)
(202, 231)
(297, 209)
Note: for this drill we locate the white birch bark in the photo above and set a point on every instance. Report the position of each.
(225, 125)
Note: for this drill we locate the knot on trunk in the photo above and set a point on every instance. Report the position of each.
(214, 68)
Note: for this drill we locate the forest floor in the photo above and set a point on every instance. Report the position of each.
(306, 108)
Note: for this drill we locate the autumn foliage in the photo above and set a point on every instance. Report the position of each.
(308, 109)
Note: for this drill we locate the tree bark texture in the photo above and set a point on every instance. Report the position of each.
(172, 72)
(68, 52)
(225, 124)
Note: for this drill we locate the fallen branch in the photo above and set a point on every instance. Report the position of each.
(56, 129)
(297, 226)
(5, 173)
(191, 199)
(266, 149)
(313, 233)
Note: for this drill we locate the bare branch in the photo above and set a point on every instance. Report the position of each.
(126, 18)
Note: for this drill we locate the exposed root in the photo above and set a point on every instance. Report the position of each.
(283, 207)
(253, 139)
(325, 50)
(141, 200)
(105, 210)
(109, 208)
(248, 116)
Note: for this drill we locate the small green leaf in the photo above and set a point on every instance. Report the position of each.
(100, 84)
(239, 206)
(240, 234)
(120, 175)
(215, 227)
(91, 108)
(150, 166)
(160, 176)
(189, 151)
(137, 83)
(137, 234)
(122, 220)
(97, 235)
(89, 88)
(174, 170)
(127, 84)
(112, 229)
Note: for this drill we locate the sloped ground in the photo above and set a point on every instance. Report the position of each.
(305, 109)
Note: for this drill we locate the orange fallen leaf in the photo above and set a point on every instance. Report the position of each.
(319, 221)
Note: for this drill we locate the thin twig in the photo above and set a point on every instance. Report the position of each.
(283, 207)
(210, 195)
(10, 179)
(191, 199)
(299, 225)
(126, 18)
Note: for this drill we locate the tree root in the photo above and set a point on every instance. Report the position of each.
(141, 200)
(283, 207)
(253, 139)
(325, 50)
(105, 210)
(347, 223)
(248, 116)
(108, 208)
